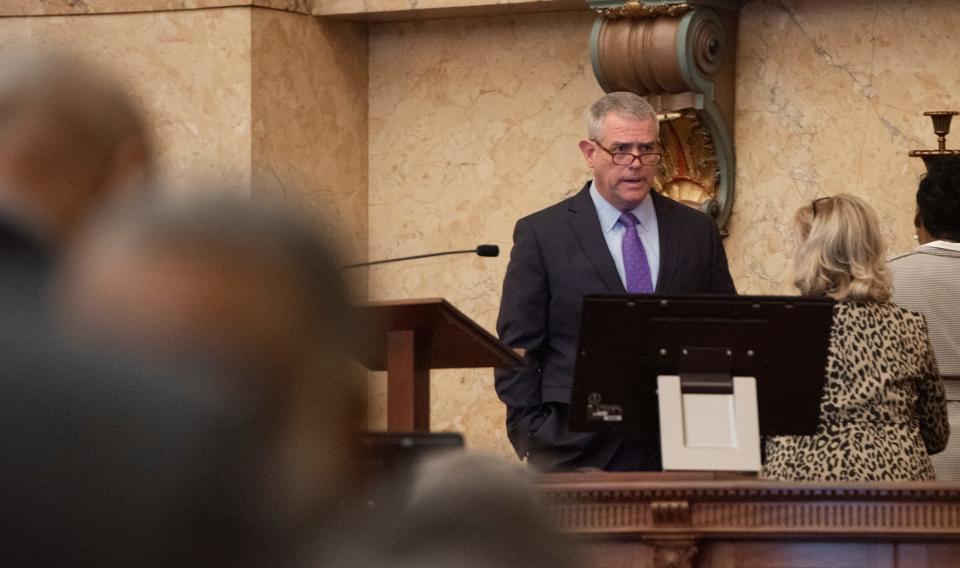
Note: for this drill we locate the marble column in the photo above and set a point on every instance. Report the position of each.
(252, 94)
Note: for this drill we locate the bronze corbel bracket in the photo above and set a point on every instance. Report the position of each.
(681, 56)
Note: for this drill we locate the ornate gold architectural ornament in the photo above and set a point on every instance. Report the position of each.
(681, 56)
(689, 170)
(637, 9)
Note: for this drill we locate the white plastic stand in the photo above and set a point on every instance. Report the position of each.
(715, 432)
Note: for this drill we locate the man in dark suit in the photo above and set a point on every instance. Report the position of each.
(71, 140)
(102, 461)
(613, 237)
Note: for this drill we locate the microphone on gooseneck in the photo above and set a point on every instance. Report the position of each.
(488, 250)
(481, 250)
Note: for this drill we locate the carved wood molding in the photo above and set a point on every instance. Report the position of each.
(756, 508)
(670, 513)
(754, 491)
(678, 554)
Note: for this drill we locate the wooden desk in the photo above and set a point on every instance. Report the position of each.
(664, 520)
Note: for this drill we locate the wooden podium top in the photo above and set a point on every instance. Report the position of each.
(452, 339)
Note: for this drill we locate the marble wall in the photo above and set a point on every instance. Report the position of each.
(189, 69)
(474, 123)
(237, 94)
(830, 97)
(309, 118)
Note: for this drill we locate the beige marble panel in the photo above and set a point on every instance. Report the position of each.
(343, 8)
(330, 7)
(385, 10)
(79, 7)
(309, 105)
(474, 123)
(830, 99)
(190, 71)
(236, 92)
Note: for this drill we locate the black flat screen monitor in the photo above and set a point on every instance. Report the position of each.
(626, 341)
(382, 451)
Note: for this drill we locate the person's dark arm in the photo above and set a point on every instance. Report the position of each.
(720, 280)
(522, 324)
(932, 402)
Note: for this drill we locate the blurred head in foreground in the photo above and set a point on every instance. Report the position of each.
(250, 289)
(841, 252)
(71, 139)
(469, 510)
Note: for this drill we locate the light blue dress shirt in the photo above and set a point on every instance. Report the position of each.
(613, 232)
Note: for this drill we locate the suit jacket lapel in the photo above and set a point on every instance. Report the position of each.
(586, 228)
(669, 230)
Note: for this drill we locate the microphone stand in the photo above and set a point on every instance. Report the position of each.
(414, 257)
(482, 250)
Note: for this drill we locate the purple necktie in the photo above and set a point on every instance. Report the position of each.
(635, 263)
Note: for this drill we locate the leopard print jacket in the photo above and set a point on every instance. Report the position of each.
(883, 410)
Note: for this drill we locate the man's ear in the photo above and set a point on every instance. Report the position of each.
(588, 150)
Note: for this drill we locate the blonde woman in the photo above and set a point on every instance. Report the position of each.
(883, 410)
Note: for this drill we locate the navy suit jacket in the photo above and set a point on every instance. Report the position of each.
(559, 256)
(105, 463)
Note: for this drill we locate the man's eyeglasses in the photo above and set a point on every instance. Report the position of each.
(626, 158)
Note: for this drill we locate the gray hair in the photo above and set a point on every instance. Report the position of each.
(623, 104)
(507, 524)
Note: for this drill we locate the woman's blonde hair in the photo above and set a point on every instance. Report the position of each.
(840, 252)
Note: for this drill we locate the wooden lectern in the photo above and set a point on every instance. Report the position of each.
(415, 336)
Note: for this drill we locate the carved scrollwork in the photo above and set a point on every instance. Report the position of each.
(681, 56)
(674, 555)
(708, 46)
(689, 172)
